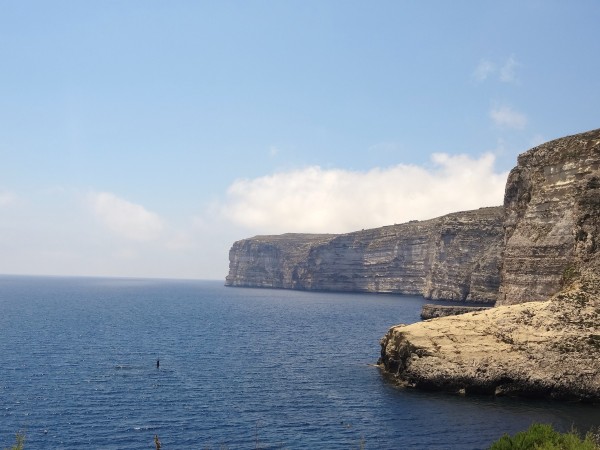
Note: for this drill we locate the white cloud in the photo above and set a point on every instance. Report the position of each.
(333, 201)
(7, 199)
(483, 70)
(124, 218)
(507, 72)
(504, 116)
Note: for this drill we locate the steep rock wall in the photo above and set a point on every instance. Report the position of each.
(270, 261)
(548, 348)
(454, 257)
(552, 217)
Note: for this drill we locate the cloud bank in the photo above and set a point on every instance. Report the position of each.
(333, 201)
(124, 218)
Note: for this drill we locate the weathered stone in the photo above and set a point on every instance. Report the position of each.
(552, 205)
(434, 311)
(526, 347)
(270, 261)
(549, 349)
(453, 257)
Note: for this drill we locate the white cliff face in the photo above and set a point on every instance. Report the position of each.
(454, 257)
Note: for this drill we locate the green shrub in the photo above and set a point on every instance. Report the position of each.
(20, 442)
(544, 437)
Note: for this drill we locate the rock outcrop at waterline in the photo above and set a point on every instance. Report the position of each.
(548, 348)
(530, 345)
(453, 257)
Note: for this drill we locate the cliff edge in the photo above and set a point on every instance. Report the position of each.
(453, 257)
(530, 344)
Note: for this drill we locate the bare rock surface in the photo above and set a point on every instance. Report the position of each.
(434, 311)
(552, 205)
(549, 349)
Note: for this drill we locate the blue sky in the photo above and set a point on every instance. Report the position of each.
(142, 138)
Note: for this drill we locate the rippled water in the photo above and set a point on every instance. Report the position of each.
(239, 368)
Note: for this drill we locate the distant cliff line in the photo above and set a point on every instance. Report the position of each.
(453, 257)
(519, 252)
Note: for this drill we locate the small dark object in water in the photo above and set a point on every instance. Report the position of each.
(156, 440)
(157, 363)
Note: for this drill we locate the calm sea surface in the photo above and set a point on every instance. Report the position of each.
(239, 369)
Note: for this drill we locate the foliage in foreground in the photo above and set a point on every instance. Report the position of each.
(536, 437)
(20, 442)
(544, 437)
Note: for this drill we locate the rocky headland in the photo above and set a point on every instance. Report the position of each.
(544, 337)
(536, 257)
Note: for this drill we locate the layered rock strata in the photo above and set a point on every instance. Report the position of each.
(270, 261)
(548, 349)
(454, 257)
(529, 345)
(552, 217)
(434, 311)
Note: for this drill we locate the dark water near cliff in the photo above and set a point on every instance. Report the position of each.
(241, 368)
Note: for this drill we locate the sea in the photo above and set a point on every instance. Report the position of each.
(239, 369)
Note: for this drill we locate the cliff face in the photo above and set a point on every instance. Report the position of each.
(452, 257)
(270, 261)
(526, 347)
(552, 216)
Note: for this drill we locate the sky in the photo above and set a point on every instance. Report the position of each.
(141, 138)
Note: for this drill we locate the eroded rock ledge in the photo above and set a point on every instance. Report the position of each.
(434, 311)
(545, 349)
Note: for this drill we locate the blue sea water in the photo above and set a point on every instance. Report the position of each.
(239, 369)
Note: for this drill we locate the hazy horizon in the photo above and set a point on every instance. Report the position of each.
(141, 139)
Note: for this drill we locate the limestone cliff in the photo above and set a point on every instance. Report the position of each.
(270, 261)
(454, 257)
(552, 204)
(527, 346)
